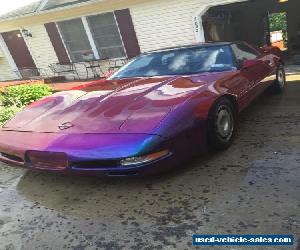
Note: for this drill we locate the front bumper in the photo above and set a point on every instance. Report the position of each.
(90, 154)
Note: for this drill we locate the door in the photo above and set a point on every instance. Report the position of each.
(255, 72)
(18, 50)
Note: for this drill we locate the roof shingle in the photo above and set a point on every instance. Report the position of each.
(36, 7)
(52, 4)
(25, 10)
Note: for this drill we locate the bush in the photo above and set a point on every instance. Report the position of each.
(6, 113)
(14, 98)
(23, 95)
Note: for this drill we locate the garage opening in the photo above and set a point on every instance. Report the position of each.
(278, 27)
(258, 22)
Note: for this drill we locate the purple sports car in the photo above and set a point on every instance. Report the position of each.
(154, 113)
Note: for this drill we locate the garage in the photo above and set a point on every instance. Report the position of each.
(256, 22)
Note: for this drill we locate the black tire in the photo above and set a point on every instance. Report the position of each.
(279, 84)
(221, 124)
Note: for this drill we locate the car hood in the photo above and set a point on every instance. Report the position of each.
(114, 106)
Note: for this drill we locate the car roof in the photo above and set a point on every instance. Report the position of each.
(196, 45)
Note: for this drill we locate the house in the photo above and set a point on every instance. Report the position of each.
(51, 31)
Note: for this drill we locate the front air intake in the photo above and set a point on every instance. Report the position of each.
(94, 165)
(47, 160)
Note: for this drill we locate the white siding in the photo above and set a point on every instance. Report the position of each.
(1, 53)
(169, 22)
(6, 73)
(41, 48)
(158, 24)
(6, 67)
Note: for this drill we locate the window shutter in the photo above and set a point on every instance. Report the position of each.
(127, 31)
(57, 43)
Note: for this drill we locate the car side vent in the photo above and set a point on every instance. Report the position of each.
(11, 157)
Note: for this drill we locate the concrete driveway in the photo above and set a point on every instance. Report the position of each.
(252, 188)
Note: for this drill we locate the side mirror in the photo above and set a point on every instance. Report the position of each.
(265, 49)
(248, 64)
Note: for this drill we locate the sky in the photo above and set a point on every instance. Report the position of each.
(14, 4)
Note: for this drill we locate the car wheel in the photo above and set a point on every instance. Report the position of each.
(279, 84)
(221, 125)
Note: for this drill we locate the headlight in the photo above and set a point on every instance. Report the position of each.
(133, 161)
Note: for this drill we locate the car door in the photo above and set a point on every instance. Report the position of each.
(268, 69)
(270, 65)
(252, 67)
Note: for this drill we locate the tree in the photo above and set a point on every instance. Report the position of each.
(278, 21)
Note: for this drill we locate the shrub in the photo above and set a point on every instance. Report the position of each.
(6, 113)
(14, 98)
(23, 95)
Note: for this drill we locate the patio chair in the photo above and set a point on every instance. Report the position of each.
(64, 70)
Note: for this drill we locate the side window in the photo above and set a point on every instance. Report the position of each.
(243, 52)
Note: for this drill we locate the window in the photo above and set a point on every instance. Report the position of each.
(76, 40)
(106, 35)
(185, 61)
(243, 52)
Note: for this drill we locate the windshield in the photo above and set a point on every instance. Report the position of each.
(184, 61)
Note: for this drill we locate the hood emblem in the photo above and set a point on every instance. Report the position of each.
(65, 126)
